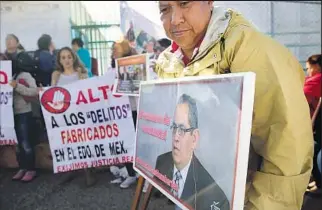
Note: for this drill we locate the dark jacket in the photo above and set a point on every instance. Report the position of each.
(46, 67)
(200, 190)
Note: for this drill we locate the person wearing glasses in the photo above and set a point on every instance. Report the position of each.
(196, 188)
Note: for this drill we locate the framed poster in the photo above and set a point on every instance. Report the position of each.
(130, 72)
(193, 144)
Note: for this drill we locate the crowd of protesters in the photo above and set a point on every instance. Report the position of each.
(55, 67)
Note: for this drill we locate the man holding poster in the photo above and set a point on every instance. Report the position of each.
(222, 41)
(195, 186)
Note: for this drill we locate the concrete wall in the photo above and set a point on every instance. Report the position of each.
(28, 20)
(297, 25)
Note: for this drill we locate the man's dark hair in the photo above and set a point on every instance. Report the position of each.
(193, 111)
(78, 41)
(44, 42)
(165, 43)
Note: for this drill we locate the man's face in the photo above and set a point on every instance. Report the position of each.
(117, 51)
(183, 143)
(149, 47)
(185, 22)
(75, 47)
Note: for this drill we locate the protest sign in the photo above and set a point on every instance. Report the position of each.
(7, 126)
(130, 71)
(87, 125)
(198, 135)
(141, 27)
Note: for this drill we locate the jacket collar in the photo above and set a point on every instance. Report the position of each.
(316, 76)
(180, 55)
(217, 26)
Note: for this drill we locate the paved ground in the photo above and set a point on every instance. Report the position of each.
(45, 194)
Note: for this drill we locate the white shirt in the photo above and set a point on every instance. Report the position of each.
(184, 173)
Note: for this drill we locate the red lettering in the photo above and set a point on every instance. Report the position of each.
(104, 91)
(109, 131)
(69, 140)
(126, 159)
(3, 78)
(81, 98)
(63, 136)
(91, 97)
(115, 95)
(80, 134)
(158, 133)
(102, 132)
(113, 161)
(74, 137)
(89, 137)
(96, 134)
(116, 130)
(7, 142)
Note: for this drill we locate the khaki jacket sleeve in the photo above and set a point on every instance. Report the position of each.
(281, 130)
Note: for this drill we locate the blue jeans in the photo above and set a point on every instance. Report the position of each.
(319, 160)
(25, 150)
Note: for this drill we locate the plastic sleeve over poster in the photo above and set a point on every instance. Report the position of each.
(198, 137)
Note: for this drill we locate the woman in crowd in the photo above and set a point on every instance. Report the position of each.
(13, 46)
(312, 85)
(123, 49)
(312, 91)
(25, 89)
(69, 70)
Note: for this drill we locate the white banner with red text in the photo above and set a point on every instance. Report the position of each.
(87, 125)
(7, 127)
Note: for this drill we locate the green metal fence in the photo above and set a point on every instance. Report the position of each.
(94, 35)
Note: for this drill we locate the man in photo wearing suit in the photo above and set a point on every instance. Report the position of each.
(123, 74)
(196, 187)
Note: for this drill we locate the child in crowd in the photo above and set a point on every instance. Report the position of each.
(24, 90)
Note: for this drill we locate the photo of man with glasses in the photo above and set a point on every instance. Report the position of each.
(196, 187)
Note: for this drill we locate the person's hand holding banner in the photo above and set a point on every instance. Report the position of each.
(58, 100)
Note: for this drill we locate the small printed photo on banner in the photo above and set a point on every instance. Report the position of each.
(198, 138)
(130, 71)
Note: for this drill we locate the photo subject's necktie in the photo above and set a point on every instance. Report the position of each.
(178, 177)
